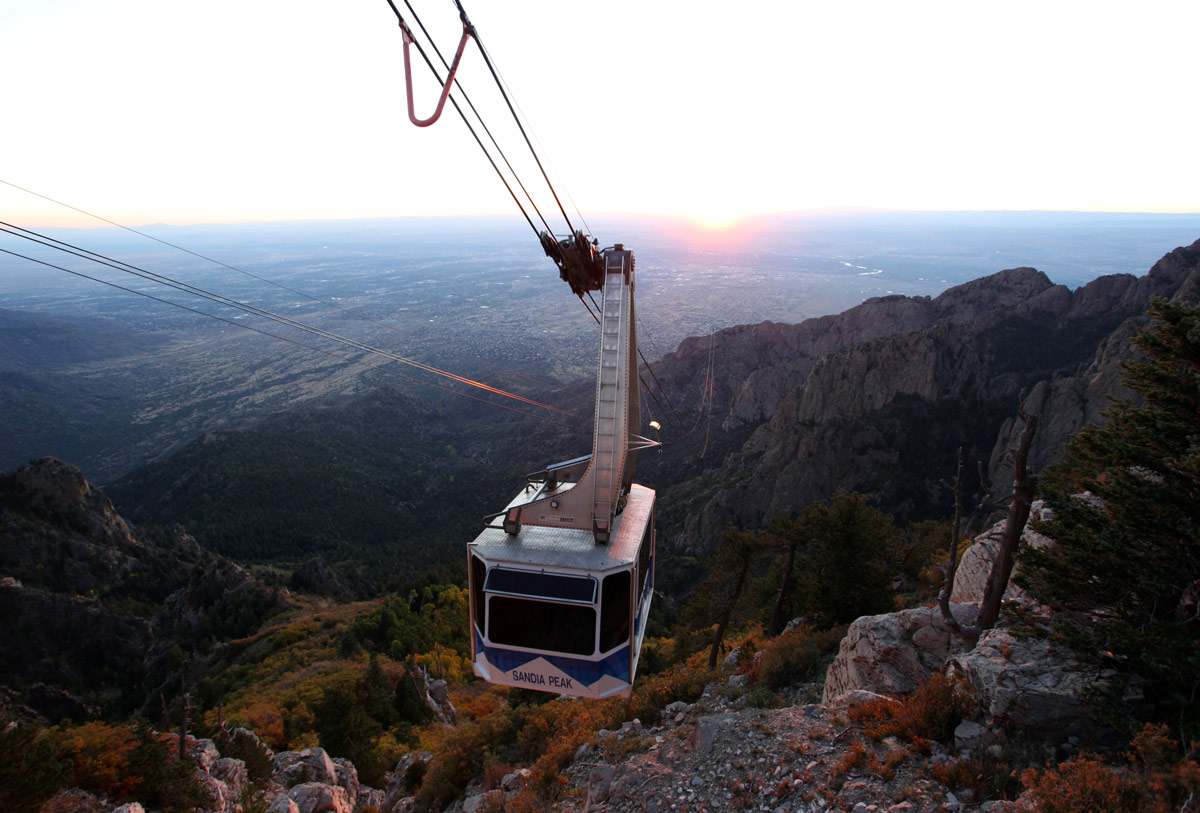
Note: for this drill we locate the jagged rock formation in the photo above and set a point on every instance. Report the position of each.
(1067, 402)
(975, 566)
(1016, 683)
(877, 399)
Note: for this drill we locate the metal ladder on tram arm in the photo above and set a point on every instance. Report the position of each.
(589, 492)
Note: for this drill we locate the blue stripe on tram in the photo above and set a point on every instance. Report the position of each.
(586, 672)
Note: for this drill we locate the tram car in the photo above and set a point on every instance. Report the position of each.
(561, 587)
(574, 627)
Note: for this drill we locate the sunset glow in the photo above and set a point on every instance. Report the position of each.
(149, 112)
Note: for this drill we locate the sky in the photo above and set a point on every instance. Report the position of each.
(146, 111)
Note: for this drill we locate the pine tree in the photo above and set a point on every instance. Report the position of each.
(377, 694)
(844, 567)
(1123, 579)
(787, 534)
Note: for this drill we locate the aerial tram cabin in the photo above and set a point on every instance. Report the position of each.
(561, 579)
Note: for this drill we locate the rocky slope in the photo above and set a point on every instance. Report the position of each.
(877, 399)
(91, 608)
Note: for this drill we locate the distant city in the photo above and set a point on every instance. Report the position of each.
(483, 287)
(475, 296)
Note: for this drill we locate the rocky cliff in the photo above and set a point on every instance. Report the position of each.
(879, 398)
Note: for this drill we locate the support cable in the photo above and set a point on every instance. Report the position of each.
(339, 356)
(587, 229)
(474, 135)
(281, 286)
(500, 85)
(470, 104)
(68, 248)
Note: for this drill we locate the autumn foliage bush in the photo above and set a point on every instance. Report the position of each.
(1153, 781)
(931, 712)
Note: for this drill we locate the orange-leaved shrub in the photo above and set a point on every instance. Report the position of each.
(931, 712)
(99, 755)
(1154, 781)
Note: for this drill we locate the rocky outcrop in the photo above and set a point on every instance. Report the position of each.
(975, 566)
(309, 765)
(90, 608)
(1027, 685)
(314, 797)
(314, 575)
(892, 654)
(1067, 402)
(66, 642)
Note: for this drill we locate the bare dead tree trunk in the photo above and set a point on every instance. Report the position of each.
(773, 625)
(183, 729)
(727, 611)
(951, 568)
(1018, 505)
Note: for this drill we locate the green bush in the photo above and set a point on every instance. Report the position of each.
(797, 656)
(31, 770)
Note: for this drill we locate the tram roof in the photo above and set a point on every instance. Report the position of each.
(572, 548)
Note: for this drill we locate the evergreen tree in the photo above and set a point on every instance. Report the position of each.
(1124, 577)
(409, 700)
(345, 729)
(377, 694)
(787, 534)
(844, 569)
(716, 600)
(165, 782)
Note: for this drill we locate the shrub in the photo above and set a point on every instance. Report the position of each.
(1154, 780)
(164, 781)
(99, 756)
(31, 771)
(246, 748)
(931, 712)
(1085, 784)
(797, 656)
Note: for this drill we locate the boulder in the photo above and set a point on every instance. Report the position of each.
(75, 800)
(892, 653)
(970, 735)
(204, 752)
(709, 727)
(975, 566)
(218, 792)
(397, 796)
(347, 777)
(1026, 683)
(599, 783)
(310, 765)
(130, 807)
(437, 697)
(283, 805)
(488, 800)
(513, 782)
(368, 797)
(316, 797)
(233, 773)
